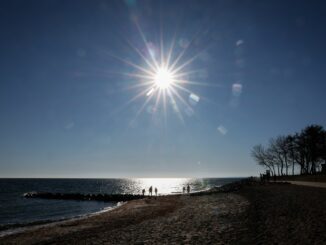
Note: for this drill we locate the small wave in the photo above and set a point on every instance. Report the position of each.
(119, 204)
(10, 229)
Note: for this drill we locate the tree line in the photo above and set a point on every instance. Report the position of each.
(284, 154)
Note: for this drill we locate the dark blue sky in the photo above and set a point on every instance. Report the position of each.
(259, 66)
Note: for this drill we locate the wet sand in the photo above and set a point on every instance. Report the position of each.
(255, 214)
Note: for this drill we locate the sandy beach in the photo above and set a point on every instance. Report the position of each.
(255, 214)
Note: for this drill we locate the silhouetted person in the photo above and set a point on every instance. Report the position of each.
(143, 191)
(155, 191)
(150, 190)
(183, 190)
(188, 188)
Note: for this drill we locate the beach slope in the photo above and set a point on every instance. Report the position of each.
(249, 214)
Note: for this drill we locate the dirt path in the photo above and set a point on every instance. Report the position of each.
(307, 183)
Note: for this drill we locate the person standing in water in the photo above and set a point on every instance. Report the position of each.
(188, 188)
(150, 190)
(143, 191)
(155, 191)
(183, 190)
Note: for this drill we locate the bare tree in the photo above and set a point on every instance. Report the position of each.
(306, 149)
(278, 150)
(291, 151)
(314, 137)
(261, 157)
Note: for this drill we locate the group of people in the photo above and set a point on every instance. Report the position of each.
(184, 189)
(150, 190)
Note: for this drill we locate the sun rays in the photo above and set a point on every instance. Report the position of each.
(162, 78)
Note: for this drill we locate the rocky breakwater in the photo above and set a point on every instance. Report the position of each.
(83, 197)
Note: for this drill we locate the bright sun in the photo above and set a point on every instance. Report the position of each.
(163, 78)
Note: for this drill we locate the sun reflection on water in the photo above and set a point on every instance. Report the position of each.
(164, 185)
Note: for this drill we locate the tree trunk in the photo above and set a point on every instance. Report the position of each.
(274, 169)
(313, 168)
(292, 167)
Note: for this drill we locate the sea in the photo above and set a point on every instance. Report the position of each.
(17, 210)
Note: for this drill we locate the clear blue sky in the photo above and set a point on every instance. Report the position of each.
(260, 68)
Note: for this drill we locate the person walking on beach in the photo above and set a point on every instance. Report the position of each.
(150, 190)
(143, 191)
(183, 190)
(188, 188)
(155, 191)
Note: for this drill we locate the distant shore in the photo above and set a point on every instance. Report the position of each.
(238, 213)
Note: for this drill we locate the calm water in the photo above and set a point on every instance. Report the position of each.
(16, 209)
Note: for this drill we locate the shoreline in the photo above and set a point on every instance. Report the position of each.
(14, 228)
(17, 229)
(23, 227)
(149, 217)
(10, 229)
(243, 212)
(26, 227)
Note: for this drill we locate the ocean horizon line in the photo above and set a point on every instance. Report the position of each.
(211, 177)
